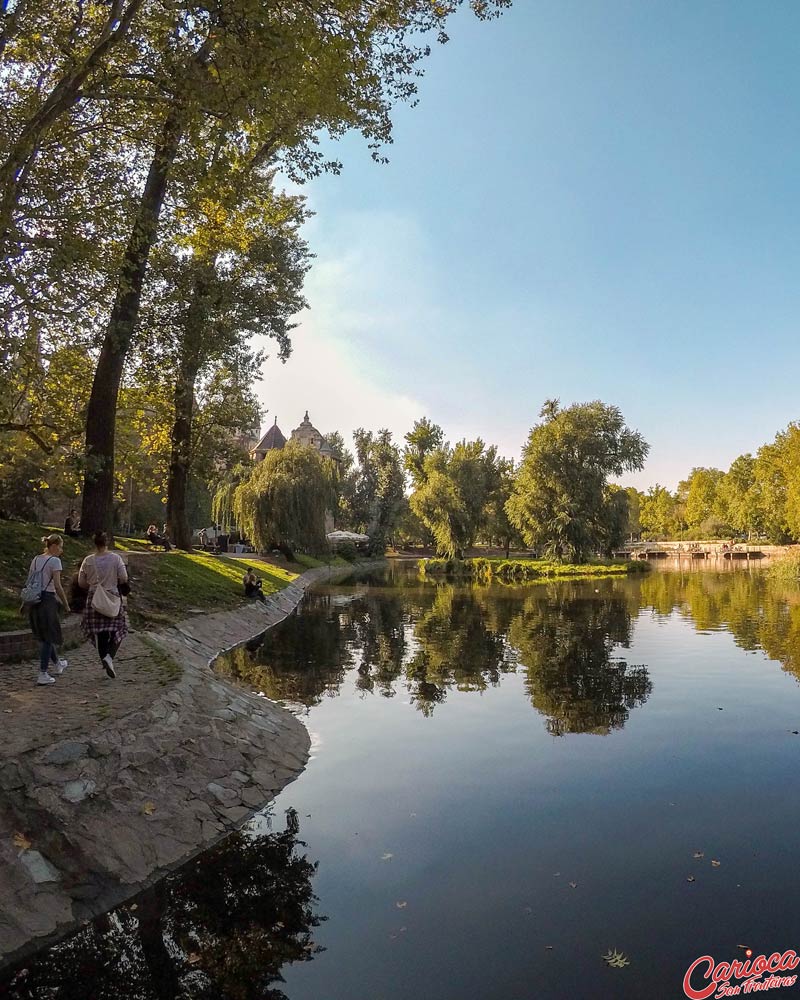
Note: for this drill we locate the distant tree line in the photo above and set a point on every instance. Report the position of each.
(558, 500)
(758, 497)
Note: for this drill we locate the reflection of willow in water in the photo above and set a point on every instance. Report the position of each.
(438, 638)
(760, 612)
(222, 927)
(564, 642)
(454, 648)
(301, 662)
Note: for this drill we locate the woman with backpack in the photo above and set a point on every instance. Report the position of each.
(104, 622)
(43, 593)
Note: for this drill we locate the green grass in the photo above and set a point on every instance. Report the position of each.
(523, 570)
(310, 562)
(164, 586)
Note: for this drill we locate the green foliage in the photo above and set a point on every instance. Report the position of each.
(378, 497)
(282, 504)
(485, 570)
(424, 438)
(455, 488)
(658, 512)
(561, 500)
(699, 492)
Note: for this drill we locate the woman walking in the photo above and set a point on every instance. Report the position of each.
(45, 623)
(104, 620)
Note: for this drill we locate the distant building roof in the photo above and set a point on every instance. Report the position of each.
(306, 430)
(272, 439)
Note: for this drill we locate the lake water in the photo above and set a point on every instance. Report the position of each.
(506, 784)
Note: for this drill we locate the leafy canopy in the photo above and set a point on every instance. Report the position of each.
(561, 499)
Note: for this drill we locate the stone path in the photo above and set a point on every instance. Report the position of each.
(33, 716)
(105, 785)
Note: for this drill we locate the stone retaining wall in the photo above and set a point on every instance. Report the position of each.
(21, 645)
(87, 823)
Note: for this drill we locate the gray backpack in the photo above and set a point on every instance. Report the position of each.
(32, 592)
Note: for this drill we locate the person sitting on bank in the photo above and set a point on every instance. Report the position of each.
(253, 586)
(155, 539)
(72, 524)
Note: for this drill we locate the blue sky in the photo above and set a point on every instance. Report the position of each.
(592, 200)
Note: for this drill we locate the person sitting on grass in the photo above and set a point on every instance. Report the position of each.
(72, 524)
(155, 539)
(253, 586)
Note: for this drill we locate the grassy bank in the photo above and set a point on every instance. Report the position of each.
(485, 570)
(164, 586)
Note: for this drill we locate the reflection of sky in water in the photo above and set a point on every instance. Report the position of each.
(480, 750)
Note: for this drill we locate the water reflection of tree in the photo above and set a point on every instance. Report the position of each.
(564, 641)
(302, 661)
(220, 929)
(379, 634)
(759, 611)
(454, 648)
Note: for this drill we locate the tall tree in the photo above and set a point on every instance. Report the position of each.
(283, 503)
(379, 493)
(456, 486)
(658, 512)
(269, 79)
(561, 498)
(423, 438)
(700, 492)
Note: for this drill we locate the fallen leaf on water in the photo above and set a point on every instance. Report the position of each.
(556, 874)
(193, 958)
(402, 930)
(690, 878)
(413, 815)
(21, 841)
(616, 959)
(387, 856)
(548, 947)
(149, 808)
(715, 863)
(133, 906)
(698, 854)
(719, 709)
(401, 904)
(573, 885)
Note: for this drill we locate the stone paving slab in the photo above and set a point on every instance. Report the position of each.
(105, 785)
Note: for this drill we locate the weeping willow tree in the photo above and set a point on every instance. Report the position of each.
(283, 502)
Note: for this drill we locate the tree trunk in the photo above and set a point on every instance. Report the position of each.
(98, 485)
(188, 368)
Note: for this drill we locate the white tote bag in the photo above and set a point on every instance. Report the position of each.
(106, 604)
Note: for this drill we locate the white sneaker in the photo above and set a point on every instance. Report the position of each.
(45, 678)
(108, 665)
(61, 667)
